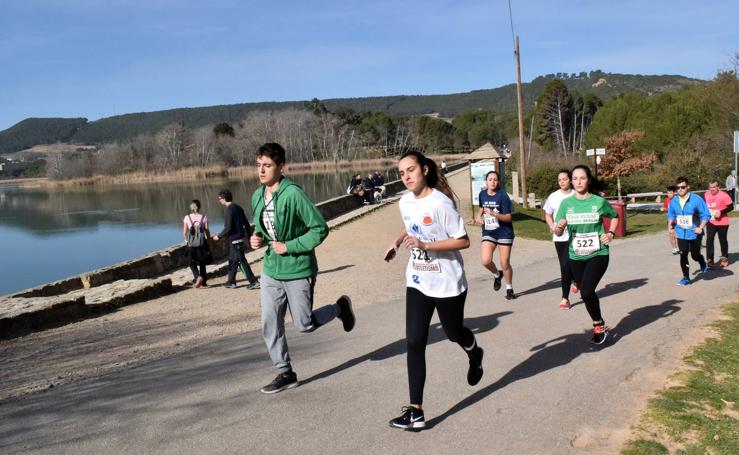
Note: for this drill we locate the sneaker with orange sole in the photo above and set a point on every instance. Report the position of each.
(724, 261)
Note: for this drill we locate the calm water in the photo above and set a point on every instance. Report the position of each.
(49, 234)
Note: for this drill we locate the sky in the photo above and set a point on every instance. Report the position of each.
(97, 58)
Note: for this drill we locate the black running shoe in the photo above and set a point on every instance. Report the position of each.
(497, 280)
(509, 294)
(253, 286)
(474, 374)
(347, 314)
(600, 333)
(230, 286)
(410, 418)
(281, 382)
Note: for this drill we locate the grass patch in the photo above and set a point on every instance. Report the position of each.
(529, 223)
(701, 414)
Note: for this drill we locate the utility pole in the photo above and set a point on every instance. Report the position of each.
(521, 143)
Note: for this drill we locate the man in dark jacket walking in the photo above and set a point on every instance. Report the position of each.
(236, 228)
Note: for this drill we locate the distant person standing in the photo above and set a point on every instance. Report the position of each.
(237, 230)
(688, 215)
(443, 166)
(369, 187)
(731, 185)
(719, 205)
(670, 232)
(291, 225)
(195, 231)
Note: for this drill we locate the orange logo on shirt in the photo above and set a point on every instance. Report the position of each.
(427, 220)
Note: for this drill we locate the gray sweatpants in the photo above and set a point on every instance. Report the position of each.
(297, 296)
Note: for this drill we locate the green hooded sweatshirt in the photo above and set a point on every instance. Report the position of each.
(298, 224)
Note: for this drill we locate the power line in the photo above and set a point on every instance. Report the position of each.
(510, 16)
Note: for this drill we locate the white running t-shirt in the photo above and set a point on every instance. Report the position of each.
(552, 206)
(430, 219)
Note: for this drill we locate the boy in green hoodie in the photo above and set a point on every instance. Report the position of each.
(292, 227)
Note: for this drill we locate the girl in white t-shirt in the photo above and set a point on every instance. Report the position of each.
(561, 242)
(434, 233)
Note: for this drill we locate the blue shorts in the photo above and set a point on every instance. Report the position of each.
(497, 241)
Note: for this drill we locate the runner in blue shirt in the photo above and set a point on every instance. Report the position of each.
(496, 216)
(688, 215)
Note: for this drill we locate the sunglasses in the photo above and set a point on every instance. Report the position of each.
(681, 187)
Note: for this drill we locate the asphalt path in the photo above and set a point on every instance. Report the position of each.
(545, 388)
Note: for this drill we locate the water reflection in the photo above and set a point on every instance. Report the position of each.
(45, 211)
(50, 233)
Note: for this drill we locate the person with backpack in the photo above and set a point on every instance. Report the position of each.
(236, 227)
(195, 231)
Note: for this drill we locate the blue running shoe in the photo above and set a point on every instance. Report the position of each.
(683, 282)
(705, 269)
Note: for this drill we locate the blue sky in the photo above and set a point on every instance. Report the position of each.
(96, 58)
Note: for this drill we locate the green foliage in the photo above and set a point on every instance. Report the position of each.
(433, 134)
(34, 131)
(703, 406)
(541, 178)
(689, 130)
(644, 447)
(502, 99)
(223, 129)
(475, 127)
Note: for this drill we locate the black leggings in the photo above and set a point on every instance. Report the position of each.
(418, 311)
(563, 254)
(711, 232)
(694, 248)
(587, 275)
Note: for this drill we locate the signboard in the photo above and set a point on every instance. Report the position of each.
(477, 181)
(589, 152)
(600, 151)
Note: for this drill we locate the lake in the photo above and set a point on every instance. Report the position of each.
(48, 233)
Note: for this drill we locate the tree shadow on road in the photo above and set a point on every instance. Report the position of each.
(436, 334)
(622, 286)
(560, 351)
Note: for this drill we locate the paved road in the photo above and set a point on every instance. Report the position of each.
(545, 389)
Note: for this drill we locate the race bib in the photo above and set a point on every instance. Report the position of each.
(421, 262)
(491, 222)
(585, 244)
(685, 221)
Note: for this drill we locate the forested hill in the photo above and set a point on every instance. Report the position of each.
(30, 132)
(33, 131)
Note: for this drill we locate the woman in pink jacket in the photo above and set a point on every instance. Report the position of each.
(719, 204)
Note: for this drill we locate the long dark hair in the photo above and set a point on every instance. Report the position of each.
(594, 186)
(497, 187)
(434, 178)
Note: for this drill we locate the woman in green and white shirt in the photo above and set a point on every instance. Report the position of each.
(582, 215)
